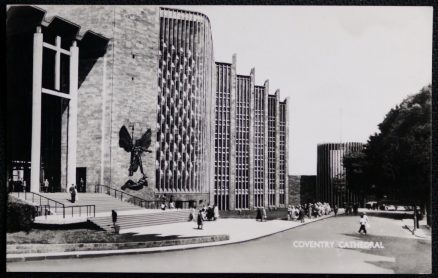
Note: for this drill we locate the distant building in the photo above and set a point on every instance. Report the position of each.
(302, 189)
(251, 151)
(331, 181)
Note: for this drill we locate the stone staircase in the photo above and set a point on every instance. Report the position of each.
(142, 220)
(129, 215)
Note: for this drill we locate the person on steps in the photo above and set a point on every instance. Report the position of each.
(200, 220)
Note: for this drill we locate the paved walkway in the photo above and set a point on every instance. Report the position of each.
(423, 232)
(239, 230)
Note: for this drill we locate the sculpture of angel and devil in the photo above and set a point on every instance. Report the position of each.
(137, 148)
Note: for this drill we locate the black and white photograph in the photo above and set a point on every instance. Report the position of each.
(218, 139)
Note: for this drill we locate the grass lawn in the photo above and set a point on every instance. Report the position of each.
(62, 236)
(77, 235)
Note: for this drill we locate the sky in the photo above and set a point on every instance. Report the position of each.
(342, 68)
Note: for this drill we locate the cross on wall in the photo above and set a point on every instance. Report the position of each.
(38, 90)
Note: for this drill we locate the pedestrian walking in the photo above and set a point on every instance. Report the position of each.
(192, 214)
(216, 212)
(363, 223)
(114, 217)
(200, 220)
(259, 214)
(335, 210)
(46, 185)
(419, 217)
(301, 214)
(295, 213)
(72, 193)
(264, 216)
(82, 185)
(289, 212)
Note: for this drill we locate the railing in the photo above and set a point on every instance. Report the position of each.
(56, 206)
(90, 210)
(43, 200)
(136, 201)
(185, 204)
(42, 210)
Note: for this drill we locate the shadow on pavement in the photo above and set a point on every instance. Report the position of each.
(410, 255)
(153, 237)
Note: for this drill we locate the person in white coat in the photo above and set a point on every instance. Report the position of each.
(216, 212)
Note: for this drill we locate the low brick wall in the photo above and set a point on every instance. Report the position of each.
(279, 213)
(54, 248)
(390, 214)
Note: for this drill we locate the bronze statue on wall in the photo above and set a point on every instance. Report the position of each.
(126, 141)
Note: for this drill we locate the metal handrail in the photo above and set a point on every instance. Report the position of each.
(39, 195)
(58, 204)
(89, 210)
(137, 201)
(42, 208)
(155, 204)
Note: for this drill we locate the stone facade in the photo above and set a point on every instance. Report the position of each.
(122, 88)
(156, 71)
(185, 108)
(250, 142)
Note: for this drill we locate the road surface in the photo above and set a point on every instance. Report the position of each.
(286, 252)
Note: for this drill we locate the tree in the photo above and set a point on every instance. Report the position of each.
(340, 186)
(397, 159)
(356, 173)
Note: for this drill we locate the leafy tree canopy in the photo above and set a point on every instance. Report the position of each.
(396, 161)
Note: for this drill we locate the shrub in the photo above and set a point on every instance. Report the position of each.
(20, 215)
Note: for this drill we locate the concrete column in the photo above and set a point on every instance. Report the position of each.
(72, 116)
(251, 140)
(265, 148)
(36, 110)
(332, 156)
(318, 172)
(233, 96)
(277, 148)
(286, 153)
(58, 63)
(212, 133)
(103, 126)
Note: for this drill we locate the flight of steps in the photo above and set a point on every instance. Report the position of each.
(142, 220)
(130, 216)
